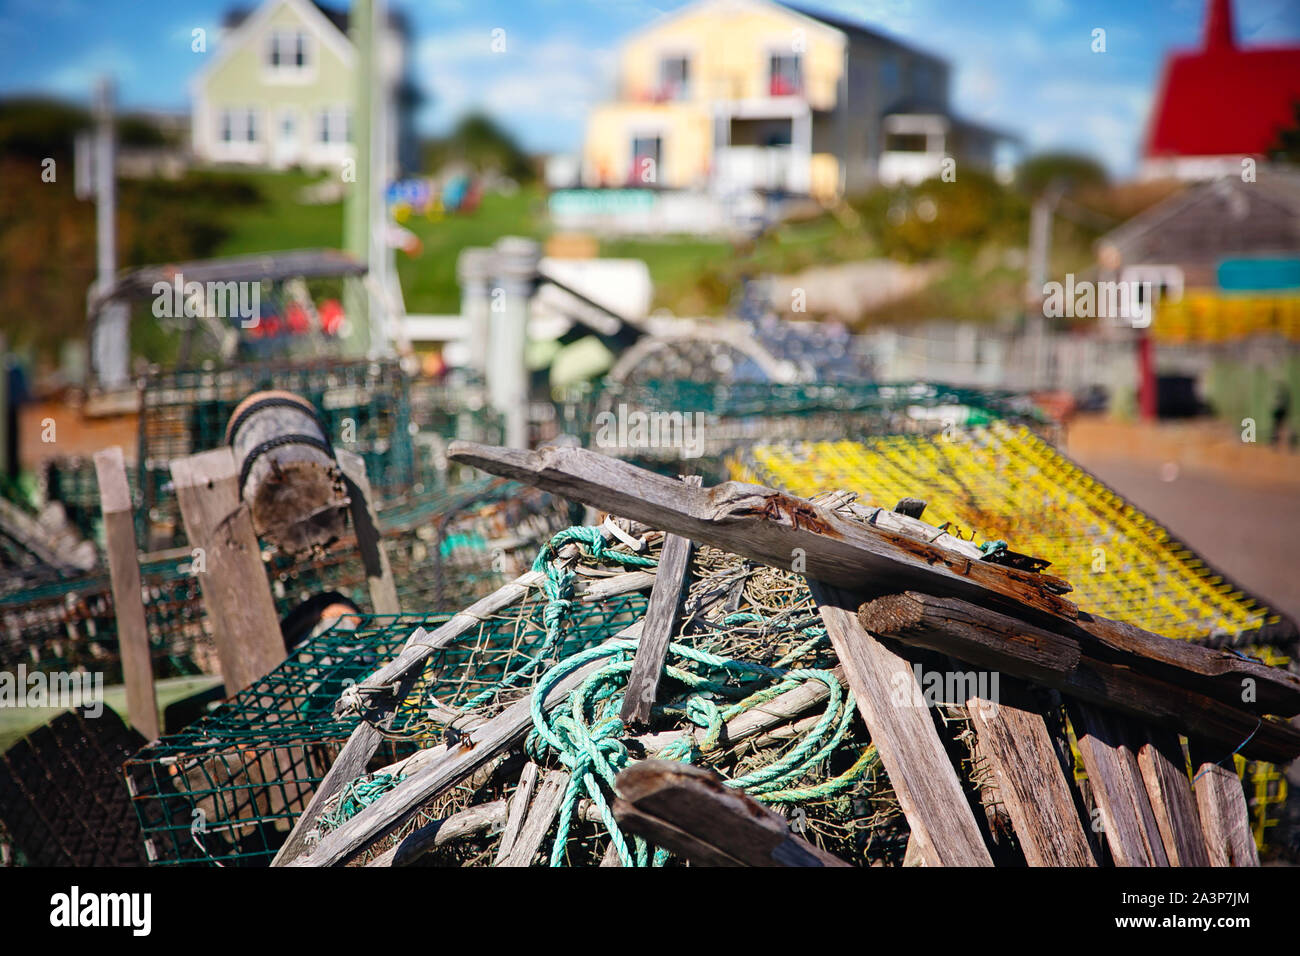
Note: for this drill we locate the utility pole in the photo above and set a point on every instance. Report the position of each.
(357, 214)
(111, 345)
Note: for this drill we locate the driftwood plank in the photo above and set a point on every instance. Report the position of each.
(519, 801)
(1015, 742)
(1116, 781)
(690, 811)
(379, 575)
(234, 584)
(1160, 758)
(928, 790)
(771, 527)
(128, 605)
(988, 638)
(1221, 804)
(661, 618)
(441, 771)
(418, 842)
(545, 808)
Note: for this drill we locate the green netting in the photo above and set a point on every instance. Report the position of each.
(228, 789)
(445, 546)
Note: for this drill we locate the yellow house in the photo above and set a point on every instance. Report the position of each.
(728, 95)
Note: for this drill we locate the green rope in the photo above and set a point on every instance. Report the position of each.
(586, 735)
(356, 796)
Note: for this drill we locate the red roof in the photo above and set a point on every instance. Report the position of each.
(1224, 100)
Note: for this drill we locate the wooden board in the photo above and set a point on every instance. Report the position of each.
(235, 589)
(922, 776)
(128, 605)
(541, 814)
(988, 638)
(690, 811)
(1110, 758)
(661, 618)
(1164, 773)
(1014, 740)
(1221, 805)
(519, 801)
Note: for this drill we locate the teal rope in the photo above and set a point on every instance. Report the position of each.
(356, 796)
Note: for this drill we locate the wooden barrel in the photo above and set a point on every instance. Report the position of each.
(287, 473)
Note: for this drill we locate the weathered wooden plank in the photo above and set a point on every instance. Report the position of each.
(519, 801)
(365, 523)
(442, 771)
(542, 813)
(233, 581)
(928, 790)
(661, 617)
(770, 526)
(468, 822)
(1221, 805)
(988, 638)
(1127, 818)
(1015, 742)
(690, 811)
(1160, 758)
(128, 605)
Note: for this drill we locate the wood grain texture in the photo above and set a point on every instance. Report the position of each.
(1111, 761)
(691, 811)
(468, 822)
(1221, 805)
(1164, 773)
(988, 638)
(541, 814)
(519, 801)
(661, 618)
(128, 604)
(235, 590)
(1015, 742)
(922, 776)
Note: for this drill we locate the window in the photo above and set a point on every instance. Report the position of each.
(334, 125)
(906, 143)
(674, 78)
(287, 51)
(785, 75)
(237, 126)
(646, 155)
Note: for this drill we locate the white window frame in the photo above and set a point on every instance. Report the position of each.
(334, 121)
(290, 72)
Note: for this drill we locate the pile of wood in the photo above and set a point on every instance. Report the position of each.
(1155, 722)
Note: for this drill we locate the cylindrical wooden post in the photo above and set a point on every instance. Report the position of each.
(516, 267)
(287, 473)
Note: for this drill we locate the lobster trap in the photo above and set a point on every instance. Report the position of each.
(228, 789)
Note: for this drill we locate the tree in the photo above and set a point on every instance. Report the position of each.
(481, 143)
(1072, 170)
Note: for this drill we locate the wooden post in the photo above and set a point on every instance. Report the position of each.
(661, 617)
(234, 584)
(379, 575)
(943, 825)
(1164, 772)
(128, 605)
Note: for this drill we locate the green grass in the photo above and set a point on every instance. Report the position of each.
(18, 722)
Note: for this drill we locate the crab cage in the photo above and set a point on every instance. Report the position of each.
(659, 422)
(228, 789)
(446, 547)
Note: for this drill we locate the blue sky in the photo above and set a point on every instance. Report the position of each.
(1022, 65)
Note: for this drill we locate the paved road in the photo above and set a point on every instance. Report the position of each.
(1250, 532)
